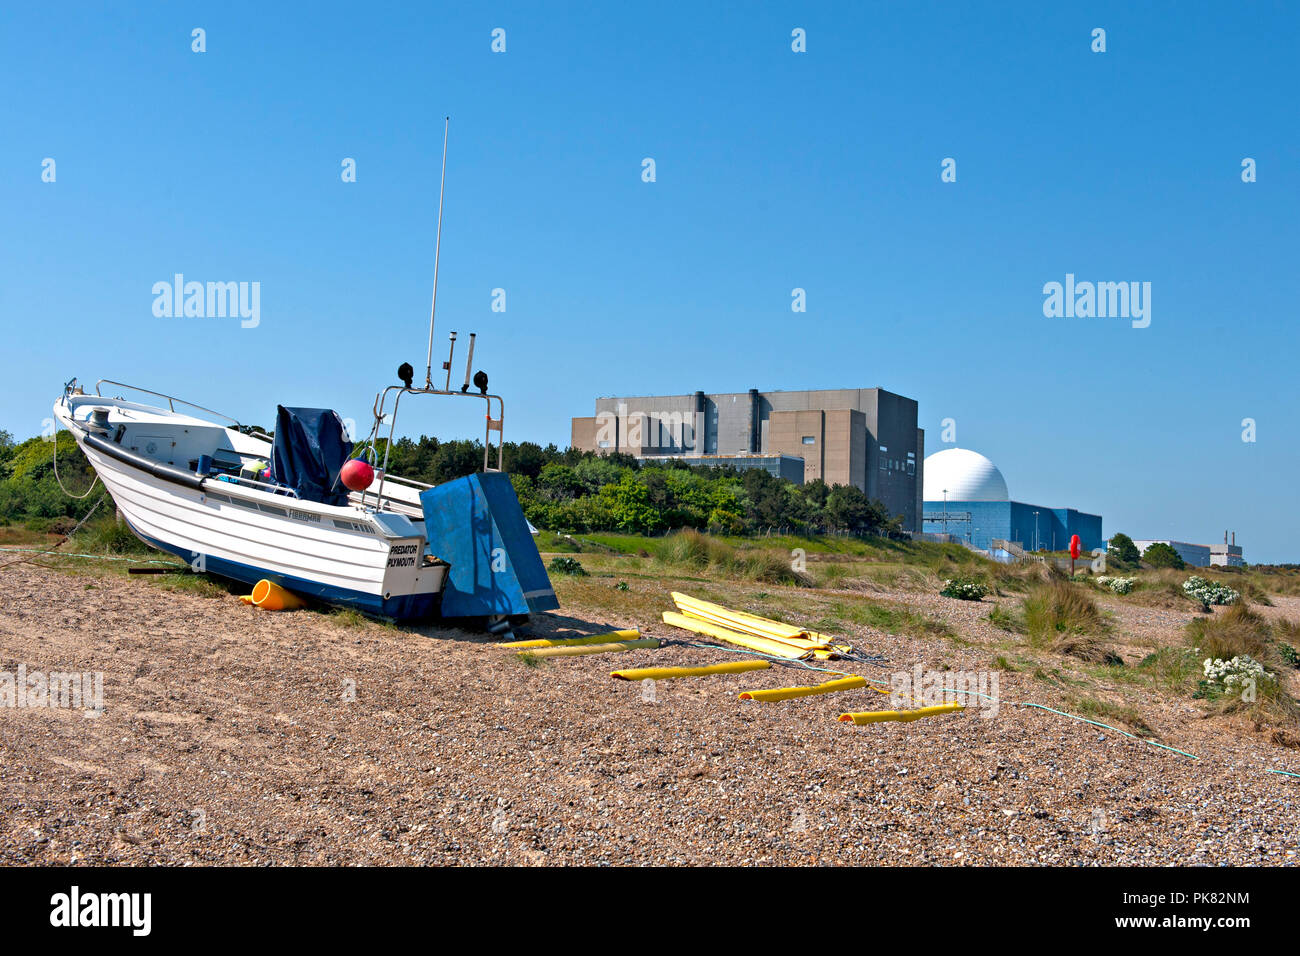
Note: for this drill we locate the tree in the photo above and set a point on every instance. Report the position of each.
(849, 508)
(767, 503)
(560, 483)
(527, 458)
(628, 507)
(1161, 555)
(6, 451)
(1123, 550)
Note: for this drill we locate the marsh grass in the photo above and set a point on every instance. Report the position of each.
(347, 617)
(892, 619)
(1006, 620)
(1159, 593)
(1063, 618)
(1240, 631)
(832, 574)
(1173, 669)
(201, 585)
(105, 535)
(1235, 632)
(1056, 608)
(707, 553)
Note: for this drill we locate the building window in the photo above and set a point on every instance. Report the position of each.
(809, 440)
(604, 444)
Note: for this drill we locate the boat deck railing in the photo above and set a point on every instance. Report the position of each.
(490, 425)
(227, 478)
(408, 481)
(172, 400)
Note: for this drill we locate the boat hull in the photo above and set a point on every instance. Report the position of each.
(405, 607)
(338, 555)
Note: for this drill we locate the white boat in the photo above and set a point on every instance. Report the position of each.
(194, 484)
(247, 506)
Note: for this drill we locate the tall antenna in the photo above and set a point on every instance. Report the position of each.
(437, 248)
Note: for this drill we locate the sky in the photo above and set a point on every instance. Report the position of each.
(774, 170)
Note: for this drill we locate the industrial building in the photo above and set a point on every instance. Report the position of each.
(1227, 555)
(966, 495)
(866, 437)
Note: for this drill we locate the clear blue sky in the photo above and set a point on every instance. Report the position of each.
(775, 170)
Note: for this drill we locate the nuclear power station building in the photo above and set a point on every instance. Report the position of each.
(966, 496)
(866, 437)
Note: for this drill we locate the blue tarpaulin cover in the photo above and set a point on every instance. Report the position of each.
(310, 447)
(476, 525)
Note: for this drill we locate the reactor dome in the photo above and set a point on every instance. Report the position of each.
(967, 476)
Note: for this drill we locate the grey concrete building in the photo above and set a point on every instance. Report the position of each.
(867, 437)
(1194, 555)
(1227, 555)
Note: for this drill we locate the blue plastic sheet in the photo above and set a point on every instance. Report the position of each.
(309, 450)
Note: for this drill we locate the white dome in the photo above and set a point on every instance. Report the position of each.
(967, 475)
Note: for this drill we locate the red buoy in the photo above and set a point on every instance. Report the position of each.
(356, 474)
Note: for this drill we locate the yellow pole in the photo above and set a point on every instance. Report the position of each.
(876, 716)
(763, 645)
(628, 635)
(615, 648)
(789, 693)
(668, 673)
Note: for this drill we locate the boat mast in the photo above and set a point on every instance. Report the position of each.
(437, 248)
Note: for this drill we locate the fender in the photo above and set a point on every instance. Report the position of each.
(156, 468)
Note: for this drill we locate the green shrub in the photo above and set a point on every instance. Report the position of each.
(964, 588)
(1207, 593)
(1122, 550)
(1117, 585)
(1161, 555)
(563, 564)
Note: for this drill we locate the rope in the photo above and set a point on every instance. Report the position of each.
(59, 480)
(69, 535)
(51, 550)
(95, 557)
(1095, 723)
